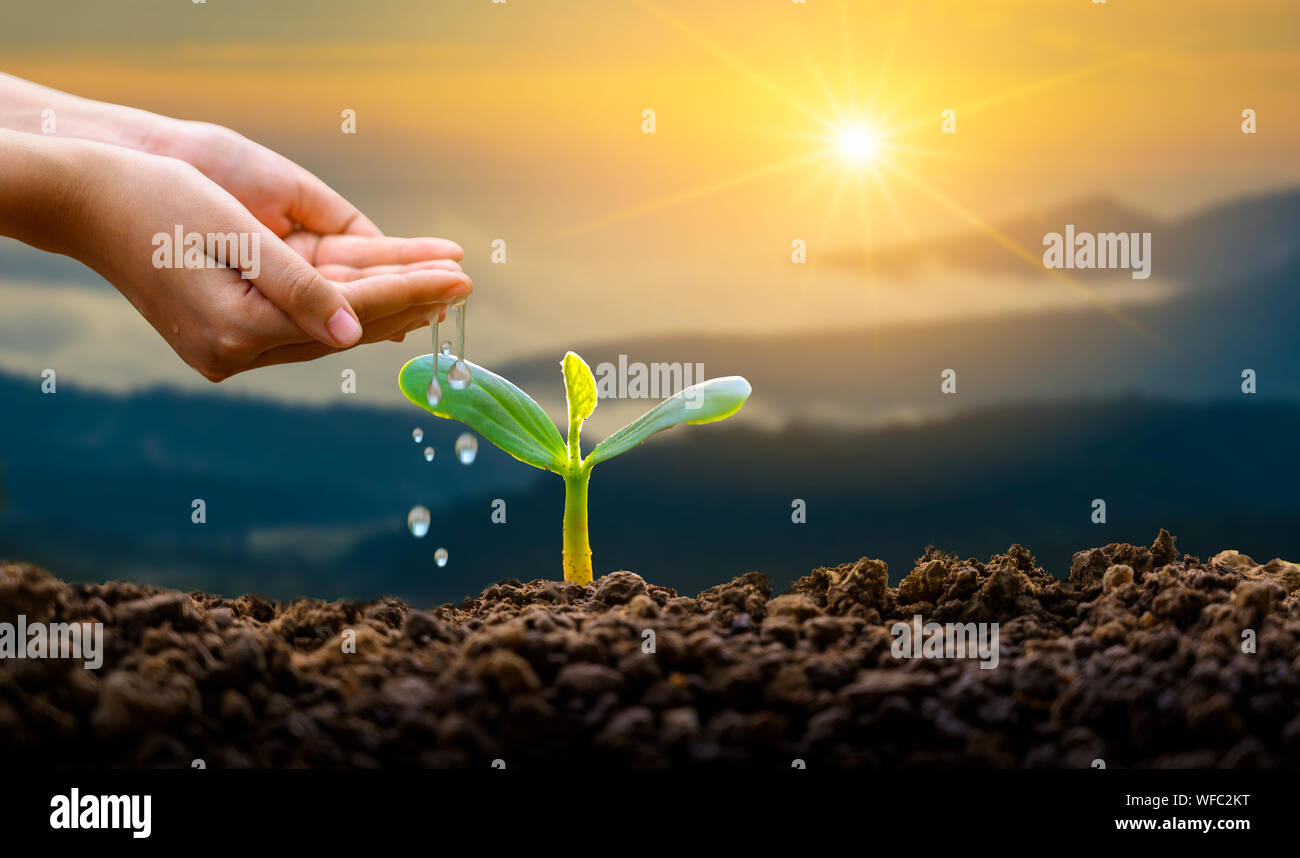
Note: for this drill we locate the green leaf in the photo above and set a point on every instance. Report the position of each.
(579, 389)
(706, 402)
(493, 407)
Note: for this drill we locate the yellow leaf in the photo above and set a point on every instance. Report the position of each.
(579, 387)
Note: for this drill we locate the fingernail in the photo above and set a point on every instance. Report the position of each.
(461, 288)
(343, 328)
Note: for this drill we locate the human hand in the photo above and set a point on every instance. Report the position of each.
(278, 192)
(312, 295)
(288, 200)
(296, 205)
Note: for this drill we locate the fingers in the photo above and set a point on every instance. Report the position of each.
(386, 294)
(379, 277)
(391, 328)
(322, 210)
(315, 305)
(421, 293)
(401, 335)
(346, 273)
(363, 252)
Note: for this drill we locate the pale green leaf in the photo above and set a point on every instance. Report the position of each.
(493, 407)
(706, 402)
(579, 387)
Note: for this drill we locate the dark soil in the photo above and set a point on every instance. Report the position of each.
(1136, 660)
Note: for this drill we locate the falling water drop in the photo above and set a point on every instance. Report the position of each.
(458, 377)
(460, 306)
(418, 521)
(428, 454)
(466, 448)
(445, 348)
(417, 434)
(434, 393)
(440, 557)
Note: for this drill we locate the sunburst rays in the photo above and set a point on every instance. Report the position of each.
(865, 144)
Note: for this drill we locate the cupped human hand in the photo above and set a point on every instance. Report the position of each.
(308, 294)
(297, 206)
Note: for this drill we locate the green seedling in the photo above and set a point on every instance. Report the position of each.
(510, 419)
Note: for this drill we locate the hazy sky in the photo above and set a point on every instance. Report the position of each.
(523, 121)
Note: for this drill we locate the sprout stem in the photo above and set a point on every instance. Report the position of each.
(577, 550)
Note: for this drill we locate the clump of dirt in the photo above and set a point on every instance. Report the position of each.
(1139, 658)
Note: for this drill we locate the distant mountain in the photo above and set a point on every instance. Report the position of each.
(1235, 241)
(1227, 242)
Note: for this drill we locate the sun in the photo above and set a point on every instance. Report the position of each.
(857, 143)
(870, 148)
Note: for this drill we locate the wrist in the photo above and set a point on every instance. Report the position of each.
(34, 191)
(136, 129)
(203, 145)
(23, 106)
(170, 138)
(48, 187)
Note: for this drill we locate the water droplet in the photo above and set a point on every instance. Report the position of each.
(458, 377)
(434, 393)
(418, 521)
(428, 454)
(445, 348)
(417, 434)
(440, 557)
(466, 448)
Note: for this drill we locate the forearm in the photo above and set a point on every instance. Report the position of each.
(43, 188)
(23, 107)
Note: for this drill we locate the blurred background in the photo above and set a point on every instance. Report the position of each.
(774, 123)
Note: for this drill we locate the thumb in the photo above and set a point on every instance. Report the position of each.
(314, 303)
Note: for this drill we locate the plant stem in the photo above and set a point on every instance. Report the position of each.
(577, 550)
